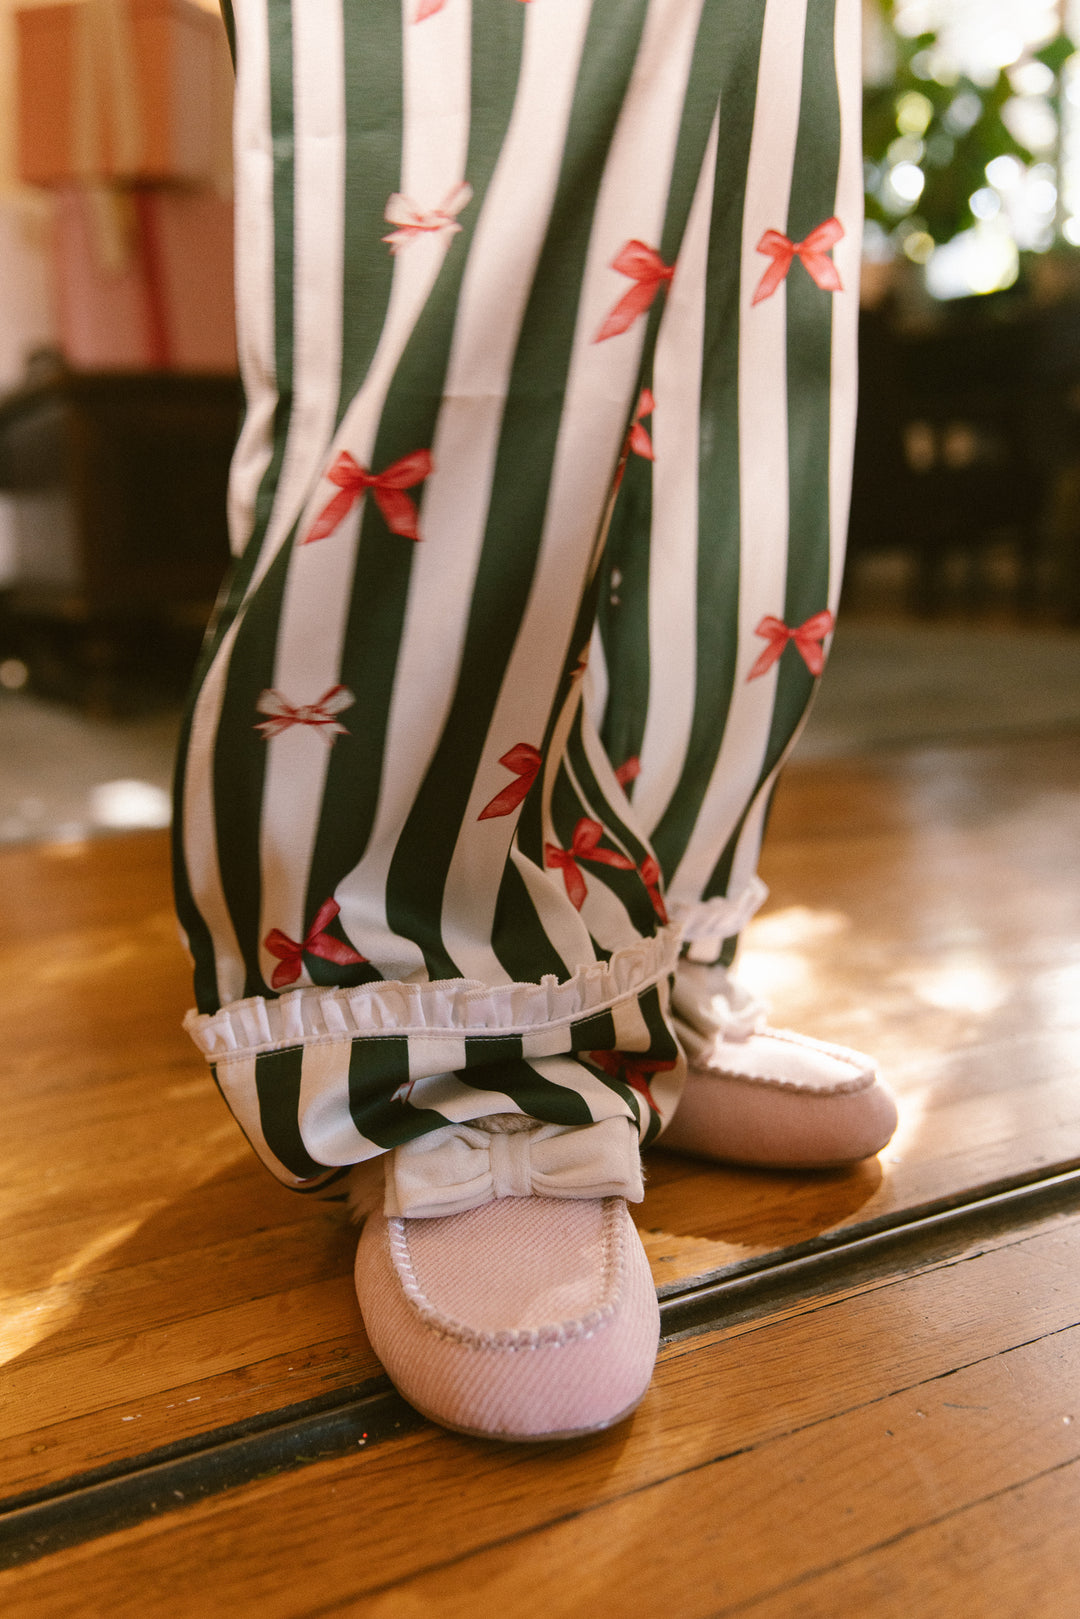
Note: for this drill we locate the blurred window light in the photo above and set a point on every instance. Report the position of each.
(1068, 176)
(1003, 48)
(985, 203)
(906, 182)
(1031, 120)
(905, 149)
(1032, 79)
(977, 261)
(932, 65)
(1005, 173)
(127, 803)
(1042, 196)
(918, 246)
(976, 39)
(914, 112)
(963, 112)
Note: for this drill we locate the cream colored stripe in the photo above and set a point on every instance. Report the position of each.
(556, 916)
(600, 1099)
(631, 203)
(314, 616)
(254, 268)
(255, 306)
(439, 1054)
(458, 1102)
(763, 446)
(676, 428)
(237, 1081)
(595, 687)
(326, 1125)
(845, 338)
(200, 826)
(506, 245)
(846, 255)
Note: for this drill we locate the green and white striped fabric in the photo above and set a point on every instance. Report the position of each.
(547, 328)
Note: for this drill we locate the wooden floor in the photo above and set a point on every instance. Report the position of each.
(869, 1423)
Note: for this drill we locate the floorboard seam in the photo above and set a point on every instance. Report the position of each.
(699, 1467)
(100, 1502)
(890, 1540)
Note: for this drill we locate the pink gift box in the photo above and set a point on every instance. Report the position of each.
(144, 280)
(135, 91)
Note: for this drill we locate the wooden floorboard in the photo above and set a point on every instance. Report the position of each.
(156, 1285)
(762, 1461)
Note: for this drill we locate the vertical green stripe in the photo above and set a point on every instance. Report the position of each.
(594, 1033)
(534, 1095)
(277, 1084)
(235, 788)
(525, 459)
(518, 939)
(384, 560)
(230, 27)
(373, 96)
(719, 518)
(809, 383)
(374, 109)
(720, 52)
(377, 1066)
(809, 367)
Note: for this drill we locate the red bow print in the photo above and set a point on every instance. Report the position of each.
(584, 846)
(428, 8)
(581, 667)
(322, 715)
(525, 761)
(628, 771)
(630, 1069)
(650, 876)
(638, 441)
(315, 943)
(814, 252)
(387, 486)
(807, 638)
(648, 271)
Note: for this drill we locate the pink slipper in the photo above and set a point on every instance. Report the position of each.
(765, 1096)
(526, 1317)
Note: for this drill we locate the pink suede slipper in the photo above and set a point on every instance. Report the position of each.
(527, 1318)
(765, 1096)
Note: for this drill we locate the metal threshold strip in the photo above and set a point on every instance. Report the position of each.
(107, 1499)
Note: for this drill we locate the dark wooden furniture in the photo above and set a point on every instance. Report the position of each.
(116, 487)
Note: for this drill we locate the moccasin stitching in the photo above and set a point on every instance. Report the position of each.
(863, 1079)
(553, 1336)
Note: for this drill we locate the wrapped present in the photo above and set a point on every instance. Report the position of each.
(129, 91)
(144, 280)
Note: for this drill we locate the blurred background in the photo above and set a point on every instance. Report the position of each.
(119, 398)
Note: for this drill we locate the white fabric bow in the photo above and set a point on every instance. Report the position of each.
(461, 1167)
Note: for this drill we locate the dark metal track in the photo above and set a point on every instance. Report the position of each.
(127, 1492)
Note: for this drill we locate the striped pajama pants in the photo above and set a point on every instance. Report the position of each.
(547, 315)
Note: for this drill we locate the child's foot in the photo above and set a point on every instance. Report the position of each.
(524, 1318)
(759, 1095)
